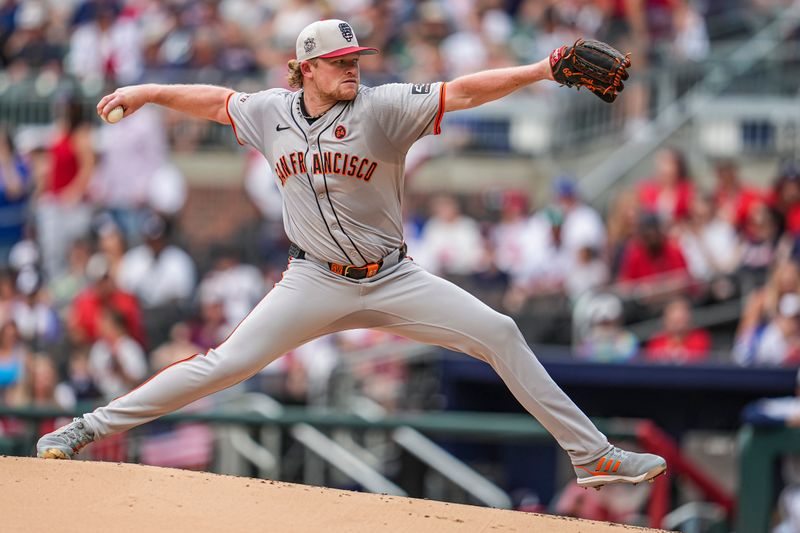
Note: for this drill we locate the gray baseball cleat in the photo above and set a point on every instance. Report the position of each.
(66, 441)
(620, 466)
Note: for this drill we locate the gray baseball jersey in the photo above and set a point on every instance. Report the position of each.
(342, 176)
(342, 183)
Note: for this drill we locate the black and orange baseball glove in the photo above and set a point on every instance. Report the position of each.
(592, 64)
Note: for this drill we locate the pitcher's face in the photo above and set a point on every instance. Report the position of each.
(336, 77)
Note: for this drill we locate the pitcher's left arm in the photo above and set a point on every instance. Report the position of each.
(588, 63)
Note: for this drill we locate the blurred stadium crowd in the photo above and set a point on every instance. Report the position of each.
(424, 41)
(98, 289)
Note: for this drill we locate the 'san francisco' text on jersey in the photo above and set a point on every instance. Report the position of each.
(336, 163)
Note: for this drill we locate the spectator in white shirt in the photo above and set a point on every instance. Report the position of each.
(546, 260)
(582, 227)
(161, 275)
(131, 152)
(240, 285)
(116, 362)
(157, 272)
(107, 48)
(588, 272)
(562, 247)
(711, 247)
(508, 235)
(37, 321)
(450, 242)
(690, 40)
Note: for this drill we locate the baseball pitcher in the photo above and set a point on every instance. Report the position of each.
(338, 149)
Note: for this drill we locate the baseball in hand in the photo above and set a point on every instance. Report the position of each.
(115, 115)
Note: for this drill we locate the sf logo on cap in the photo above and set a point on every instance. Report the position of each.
(347, 31)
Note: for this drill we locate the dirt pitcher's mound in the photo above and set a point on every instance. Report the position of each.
(81, 496)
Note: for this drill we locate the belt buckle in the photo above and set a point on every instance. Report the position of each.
(369, 270)
(372, 269)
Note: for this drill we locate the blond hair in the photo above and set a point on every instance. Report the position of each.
(295, 76)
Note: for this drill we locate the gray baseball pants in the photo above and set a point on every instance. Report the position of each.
(310, 301)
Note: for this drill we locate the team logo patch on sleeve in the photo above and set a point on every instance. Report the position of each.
(347, 31)
(421, 88)
(340, 132)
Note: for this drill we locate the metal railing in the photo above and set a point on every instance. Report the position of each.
(736, 66)
(239, 414)
(437, 458)
(350, 458)
(481, 426)
(313, 440)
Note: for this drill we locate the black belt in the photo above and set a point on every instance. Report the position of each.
(349, 271)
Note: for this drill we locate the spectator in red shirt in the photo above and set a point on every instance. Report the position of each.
(102, 294)
(62, 212)
(653, 266)
(670, 191)
(680, 341)
(732, 199)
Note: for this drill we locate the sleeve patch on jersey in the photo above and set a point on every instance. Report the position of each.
(244, 98)
(421, 88)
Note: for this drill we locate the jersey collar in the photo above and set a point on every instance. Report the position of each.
(329, 115)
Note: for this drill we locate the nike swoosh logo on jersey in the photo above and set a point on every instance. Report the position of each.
(278, 128)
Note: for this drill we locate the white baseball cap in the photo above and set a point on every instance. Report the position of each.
(605, 308)
(328, 38)
(789, 305)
